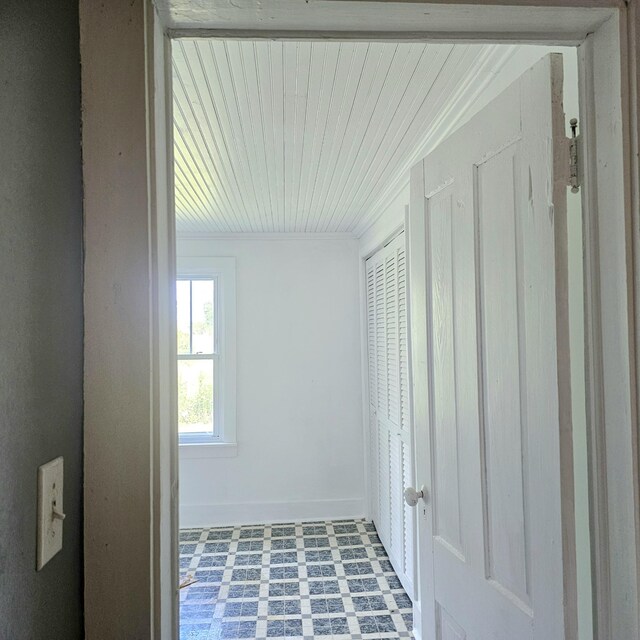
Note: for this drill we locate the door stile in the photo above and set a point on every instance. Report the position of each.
(420, 392)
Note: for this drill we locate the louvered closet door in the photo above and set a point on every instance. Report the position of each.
(390, 423)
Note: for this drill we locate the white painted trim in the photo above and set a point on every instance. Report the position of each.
(161, 217)
(130, 541)
(364, 373)
(115, 155)
(417, 617)
(391, 21)
(266, 236)
(382, 205)
(207, 450)
(419, 320)
(212, 515)
(609, 327)
(409, 297)
(223, 270)
(632, 82)
(490, 36)
(379, 241)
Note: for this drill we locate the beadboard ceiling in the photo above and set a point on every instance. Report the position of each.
(282, 136)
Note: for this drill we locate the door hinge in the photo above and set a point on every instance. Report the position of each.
(574, 175)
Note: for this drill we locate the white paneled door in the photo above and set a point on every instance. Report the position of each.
(390, 429)
(487, 238)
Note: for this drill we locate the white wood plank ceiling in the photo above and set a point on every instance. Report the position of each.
(282, 136)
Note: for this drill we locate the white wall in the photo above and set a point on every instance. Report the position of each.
(299, 402)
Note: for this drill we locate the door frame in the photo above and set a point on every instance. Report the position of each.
(130, 452)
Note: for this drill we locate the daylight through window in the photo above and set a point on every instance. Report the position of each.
(197, 355)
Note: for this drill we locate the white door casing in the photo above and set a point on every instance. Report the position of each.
(488, 273)
(390, 433)
(610, 114)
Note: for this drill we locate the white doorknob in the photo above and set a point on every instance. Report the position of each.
(411, 496)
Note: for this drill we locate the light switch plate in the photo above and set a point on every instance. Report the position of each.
(50, 492)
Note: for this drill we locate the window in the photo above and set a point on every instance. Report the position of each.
(205, 295)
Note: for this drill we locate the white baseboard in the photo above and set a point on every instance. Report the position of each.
(215, 515)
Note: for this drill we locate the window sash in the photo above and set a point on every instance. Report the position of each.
(215, 435)
(187, 437)
(222, 271)
(216, 309)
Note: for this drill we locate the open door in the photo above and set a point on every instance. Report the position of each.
(490, 347)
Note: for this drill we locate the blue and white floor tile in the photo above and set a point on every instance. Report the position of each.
(328, 580)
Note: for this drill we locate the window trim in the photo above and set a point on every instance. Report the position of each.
(223, 272)
(213, 356)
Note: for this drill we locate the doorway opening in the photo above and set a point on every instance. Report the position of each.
(291, 164)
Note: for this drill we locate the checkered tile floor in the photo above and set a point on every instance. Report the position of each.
(329, 580)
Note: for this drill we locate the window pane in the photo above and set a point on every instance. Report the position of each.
(183, 299)
(202, 309)
(195, 396)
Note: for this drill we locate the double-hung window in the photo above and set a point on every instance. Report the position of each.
(205, 295)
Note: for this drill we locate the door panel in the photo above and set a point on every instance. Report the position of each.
(448, 628)
(447, 506)
(487, 229)
(503, 423)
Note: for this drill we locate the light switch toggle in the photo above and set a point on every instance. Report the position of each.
(56, 513)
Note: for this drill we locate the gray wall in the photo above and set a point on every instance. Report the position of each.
(40, 310)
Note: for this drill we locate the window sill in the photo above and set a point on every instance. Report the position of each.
(206, 450)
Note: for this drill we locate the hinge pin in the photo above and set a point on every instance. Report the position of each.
(573, 157)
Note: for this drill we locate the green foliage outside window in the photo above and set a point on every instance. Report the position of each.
(195, 394)
(195, 376)
(183, 342)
